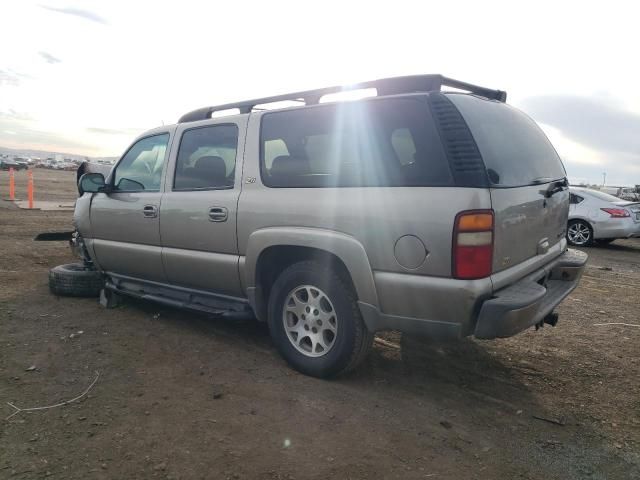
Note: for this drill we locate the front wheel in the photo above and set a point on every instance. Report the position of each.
(315, 321)
(579, 233)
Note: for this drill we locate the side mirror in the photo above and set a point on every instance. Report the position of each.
(128, 185)
(91, 182)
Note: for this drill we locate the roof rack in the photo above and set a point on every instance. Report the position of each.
(384, 86)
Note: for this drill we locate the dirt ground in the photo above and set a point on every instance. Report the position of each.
(183, 396)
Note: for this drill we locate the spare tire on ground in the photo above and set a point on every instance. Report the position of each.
(75, 280)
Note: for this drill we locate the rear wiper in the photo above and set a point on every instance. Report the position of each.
(556, 187)
(540, 180)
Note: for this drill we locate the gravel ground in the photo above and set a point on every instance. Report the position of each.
(183, 396)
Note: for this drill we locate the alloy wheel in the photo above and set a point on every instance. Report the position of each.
(579, 233)
(310, 321)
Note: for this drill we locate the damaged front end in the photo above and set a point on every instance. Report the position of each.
(81, 221)
(79, 249)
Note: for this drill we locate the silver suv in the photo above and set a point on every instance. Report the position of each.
(432, 213)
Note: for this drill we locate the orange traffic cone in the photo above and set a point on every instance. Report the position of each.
(30, 189)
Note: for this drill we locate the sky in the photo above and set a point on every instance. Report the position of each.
(86, 77)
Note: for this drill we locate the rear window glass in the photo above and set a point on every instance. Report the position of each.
(390, 142)
(603, 196)
(514, 149)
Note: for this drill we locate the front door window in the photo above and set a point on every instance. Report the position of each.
(141, 168)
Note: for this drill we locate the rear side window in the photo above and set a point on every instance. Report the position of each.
(207, 158)
(515, 151)
(575, 199)
(390, 142)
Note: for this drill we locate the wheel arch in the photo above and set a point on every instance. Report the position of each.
(271, 250)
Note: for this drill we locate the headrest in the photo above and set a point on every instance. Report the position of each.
(289, 166)
(212, 166)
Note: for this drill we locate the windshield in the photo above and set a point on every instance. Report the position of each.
(516, 152)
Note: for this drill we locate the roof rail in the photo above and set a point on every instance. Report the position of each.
(384, 86)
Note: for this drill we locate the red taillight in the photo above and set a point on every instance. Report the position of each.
(473, 244)
(616, 212)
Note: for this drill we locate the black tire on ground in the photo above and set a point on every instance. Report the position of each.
(74, 280)
(604, 241)
(352, 341)
(585, 227)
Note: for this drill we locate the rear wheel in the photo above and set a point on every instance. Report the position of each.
(315, 321)
(579, 233)
(75, 280)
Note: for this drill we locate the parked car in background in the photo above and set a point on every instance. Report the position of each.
(6, 164)
(596, 216)
(615, 191)
(631, 194)
(69, 166)
(22, 162)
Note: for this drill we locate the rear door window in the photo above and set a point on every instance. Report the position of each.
(207, 158)
(516, 152)
(389, 142)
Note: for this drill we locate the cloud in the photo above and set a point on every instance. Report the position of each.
(25, 134)
(594, 123)
(11, 114)
(115, 131)
(78, 12)
(49, 58)
(11, 78)
(571, 151)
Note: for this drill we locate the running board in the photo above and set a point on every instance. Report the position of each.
(177, 297)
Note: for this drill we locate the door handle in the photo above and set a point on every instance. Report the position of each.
(218, 214)
(150, 211)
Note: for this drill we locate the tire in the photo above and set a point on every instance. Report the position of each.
(579, 233)
(74, 280)
(342, 343)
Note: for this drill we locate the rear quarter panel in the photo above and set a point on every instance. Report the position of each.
(377, 217)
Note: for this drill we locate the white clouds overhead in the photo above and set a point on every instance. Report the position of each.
(90, 74)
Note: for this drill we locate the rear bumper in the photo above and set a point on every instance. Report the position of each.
(617, 228)
(527, 302)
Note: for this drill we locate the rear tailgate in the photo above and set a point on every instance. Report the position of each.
(527, 223)
(528, 186)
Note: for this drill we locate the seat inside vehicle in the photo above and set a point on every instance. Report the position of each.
(209, 171)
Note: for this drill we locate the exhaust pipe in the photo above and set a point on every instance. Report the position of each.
(550, 319)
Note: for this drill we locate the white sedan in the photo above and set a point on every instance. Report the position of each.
(599, 217)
